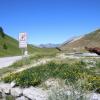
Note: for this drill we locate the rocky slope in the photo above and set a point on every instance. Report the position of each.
(91, 40)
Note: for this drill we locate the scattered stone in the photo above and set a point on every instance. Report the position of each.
(13, 84)
(35, 93)
(68, 93)
(52, 83)
(16, 92)
(95, 96)
(22, 98)
(5, 88)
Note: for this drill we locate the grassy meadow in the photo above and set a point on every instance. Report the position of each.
(75, 72)
(39, 53)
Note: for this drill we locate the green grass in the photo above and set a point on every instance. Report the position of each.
(33, 57)
(43, 53)
(69, 72)
(9, 97)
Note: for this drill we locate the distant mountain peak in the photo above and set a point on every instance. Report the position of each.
(48, 45)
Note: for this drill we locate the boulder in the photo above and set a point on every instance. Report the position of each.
(16, 92)
(4, 87)
(35, 93)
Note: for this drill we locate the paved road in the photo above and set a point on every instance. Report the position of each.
(6, 61)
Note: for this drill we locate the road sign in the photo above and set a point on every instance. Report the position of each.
(22, 40)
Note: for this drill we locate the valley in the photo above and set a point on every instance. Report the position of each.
(52, 74)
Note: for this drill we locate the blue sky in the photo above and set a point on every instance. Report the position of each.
(49, 21)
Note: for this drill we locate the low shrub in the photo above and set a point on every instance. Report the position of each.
(71, 73)
(9, 97)
(64, 94)
(93, 83)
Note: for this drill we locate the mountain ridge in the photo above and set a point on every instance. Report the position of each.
(48, 45)
(91, 39)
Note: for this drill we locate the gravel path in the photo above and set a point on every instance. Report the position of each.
(39, 62)
(6, 61)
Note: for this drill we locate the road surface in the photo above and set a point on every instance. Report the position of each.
(6, 61)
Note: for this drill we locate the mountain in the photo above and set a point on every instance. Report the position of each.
(49, 45)
(10, 46)
(91, 39)
(71, 40)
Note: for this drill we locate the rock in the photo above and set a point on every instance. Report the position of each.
(0, 89)
(5, 88)
(95, 96)
(0, 95)
(89, 55)
(13, 84)
(54, 83)
(16, 92)
(98, 89)
(68, 93)
(22, 98)
(35, 93)
(3, 95)
(1, 86)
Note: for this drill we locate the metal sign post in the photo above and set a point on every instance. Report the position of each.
(23, 43)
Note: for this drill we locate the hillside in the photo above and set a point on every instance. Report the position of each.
(91, 40)
(9, 46)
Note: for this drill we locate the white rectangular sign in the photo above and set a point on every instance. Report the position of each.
(22, 40)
